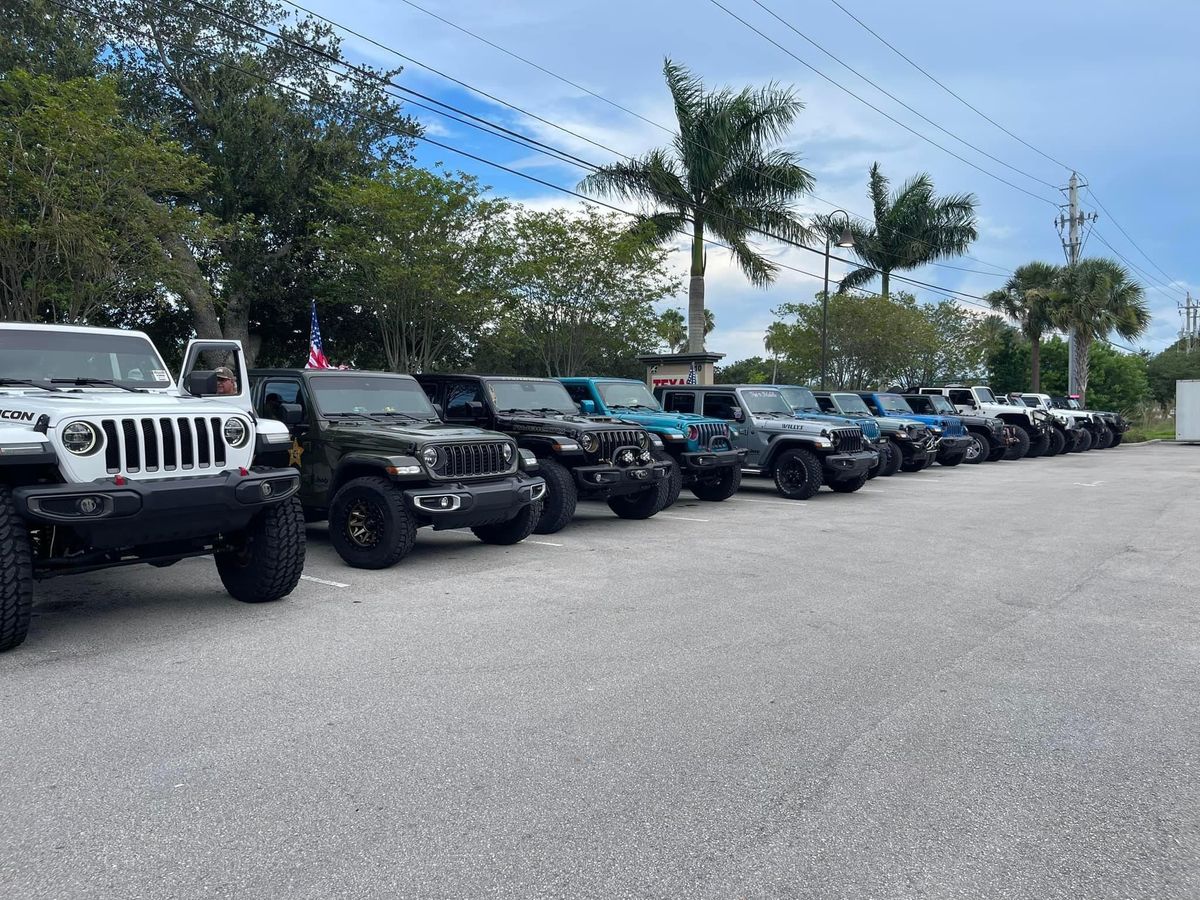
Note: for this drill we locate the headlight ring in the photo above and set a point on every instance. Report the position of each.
(589, 442)
(81, 438)
(430, 456)
(236, 433)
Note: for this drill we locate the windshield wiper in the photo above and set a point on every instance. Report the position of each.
(408, 416)
(25, 382)
(87, 382)
(366, 416)
(517, 409)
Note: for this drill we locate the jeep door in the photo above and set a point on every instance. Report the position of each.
(728, 405)
(963, 400)
(305, 453)
(464, 403)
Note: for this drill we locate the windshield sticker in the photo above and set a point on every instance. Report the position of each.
(160, 375)
(760, 394)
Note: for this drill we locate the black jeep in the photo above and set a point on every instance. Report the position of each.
(581, 457)
(377, 462)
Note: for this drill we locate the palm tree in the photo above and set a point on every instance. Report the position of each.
(776, 341)
(718, 177)
(1095, 298)
(672, 330)
(1026, 298)
(912, 227)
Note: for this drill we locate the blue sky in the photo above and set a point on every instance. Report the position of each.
(1106, 86)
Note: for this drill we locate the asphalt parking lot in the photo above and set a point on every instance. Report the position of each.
(970, 682)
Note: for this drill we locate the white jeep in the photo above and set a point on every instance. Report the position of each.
(1090, 429)
(105, 461)
(1034, 426)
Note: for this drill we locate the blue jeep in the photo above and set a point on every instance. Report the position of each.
(804, 404)
(950, 435)
(698, 449)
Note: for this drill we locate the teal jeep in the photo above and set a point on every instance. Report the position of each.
(698, 449)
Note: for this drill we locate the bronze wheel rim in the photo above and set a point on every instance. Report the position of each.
(364, 524)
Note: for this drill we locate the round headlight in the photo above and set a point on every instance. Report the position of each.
(235, 432)
(80, 438)
(589, 442)
(643, 440)
(507, 451)
(693, 433)
(429, 456)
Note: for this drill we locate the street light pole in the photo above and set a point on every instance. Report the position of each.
(845, 240)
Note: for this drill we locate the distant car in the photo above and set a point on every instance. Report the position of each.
(990, 437)
(909, 443)
(805, 406)
(945, 429)
(1035, 425)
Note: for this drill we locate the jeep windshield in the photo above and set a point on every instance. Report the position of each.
(940, 404)
(628, 395)
(800, 398)
(765, 402)
(371, 396)
(894, 403)
(985, 395)
(512, 395)
(920, 404)
(851, 405)
(84, 359)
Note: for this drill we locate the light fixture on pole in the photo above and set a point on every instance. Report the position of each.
(846, 240)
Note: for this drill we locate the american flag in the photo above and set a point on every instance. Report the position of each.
(316, 354)
(691, 376)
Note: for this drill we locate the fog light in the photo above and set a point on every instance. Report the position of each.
(644, 456)
(88, 505)
(266, 488)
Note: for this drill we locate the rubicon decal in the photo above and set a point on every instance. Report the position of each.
(16, 415)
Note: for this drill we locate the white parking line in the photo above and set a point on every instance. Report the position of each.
(323, 581)
(680, 518)
(771, 502)
(542, 543)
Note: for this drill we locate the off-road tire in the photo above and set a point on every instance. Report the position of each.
(982, 447)
(791, 463)
(1104, 441)
(1038, 448)
(267, 559)
(558, 506)
(1085, 441)
(513, 531)
(1021, 447)
(1058, 443)
(721, 488)
(674, 476)
(16, 574)
(952, 459)
(640, 505)
(894, 459)
(1117, 436)
(911, 465)
(394, 526)
(849, 485)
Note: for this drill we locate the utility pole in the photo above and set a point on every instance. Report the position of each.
(1072, 246)
(1190, 335)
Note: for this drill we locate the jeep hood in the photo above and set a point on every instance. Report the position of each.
(93, 404)
(422, 432)
(664, 419)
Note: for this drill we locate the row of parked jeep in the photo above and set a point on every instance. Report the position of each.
(106, 460)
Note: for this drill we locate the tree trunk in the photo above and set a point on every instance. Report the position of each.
(696, 291)
(191, 284)
(885, 279)
(1083, 346)
(1035, 364)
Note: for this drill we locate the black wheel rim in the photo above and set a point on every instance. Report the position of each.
(364, 524)
(793, 476)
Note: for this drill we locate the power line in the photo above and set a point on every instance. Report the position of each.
(948, 90)
(881, 112)
(569, 82)
(889, 94)
(1112, 219)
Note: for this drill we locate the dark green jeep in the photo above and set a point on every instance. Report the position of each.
(376, 460)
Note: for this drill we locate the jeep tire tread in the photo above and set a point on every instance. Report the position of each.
(674, 476)
(1085, 441)
(894, 458)
(1021, 447)
(394, 527)
(1104, 441)
(514, 530)
(268, 559)
(642, 504)
(720, 488)
(1116, 439)
(849, 485)
(980, 449)
(798, 474)
(951, 459)
(558, 506)
(16, 574)
(1038, 448)
(1058, 443)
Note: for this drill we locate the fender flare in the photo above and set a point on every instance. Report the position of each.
(784, 442)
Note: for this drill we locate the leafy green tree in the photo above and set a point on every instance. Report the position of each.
(1117, 380)
(43, 38)
(416, 251)
(719, 177)
(1026, 298)
(672, 329)
(1097, 297)
(83, 197)
(1171, 365)
(951, 345)
(580, 289)
(1006, 357)
(274, 126)
(912, 227)
(756, 370)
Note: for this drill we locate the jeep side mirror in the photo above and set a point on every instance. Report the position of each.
(587, 407)
(291, 414)
(202, 384)
(475, 407)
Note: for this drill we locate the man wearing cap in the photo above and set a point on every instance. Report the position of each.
(226, 383)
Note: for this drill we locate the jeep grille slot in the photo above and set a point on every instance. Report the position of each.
(473, 460)
(163, 445)
(611, 441)
(847, 440)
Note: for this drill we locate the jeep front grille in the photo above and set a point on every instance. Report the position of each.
(474, 460)
(165, 444)
(710, 430)
(611, 441)
(847, 440)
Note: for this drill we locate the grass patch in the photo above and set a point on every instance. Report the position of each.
(1160, 430)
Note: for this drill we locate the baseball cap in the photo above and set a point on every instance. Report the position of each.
(224, 372)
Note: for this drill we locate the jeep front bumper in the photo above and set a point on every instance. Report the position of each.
(954, 444)
(612, 481)
(843, 466)
(697, 464)
(108, 515)
(462, 505)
